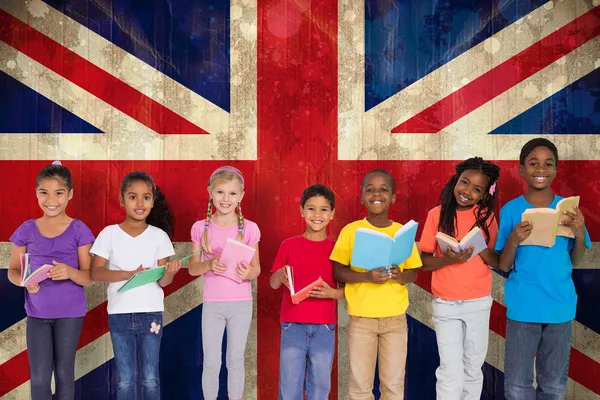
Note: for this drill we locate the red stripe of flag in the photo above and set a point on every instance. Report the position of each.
(91, 78)
(504, 76)
(15, 372)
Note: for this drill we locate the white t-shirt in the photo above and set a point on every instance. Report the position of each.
(126, 253)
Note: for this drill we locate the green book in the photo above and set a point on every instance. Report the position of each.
(143, 278)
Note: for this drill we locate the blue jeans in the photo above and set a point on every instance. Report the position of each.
(306, 357)
(551, 343)
(137, 351)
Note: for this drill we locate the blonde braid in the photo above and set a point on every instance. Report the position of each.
(240, 237)
(205, 244)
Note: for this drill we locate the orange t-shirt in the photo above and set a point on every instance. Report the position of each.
(470, 280)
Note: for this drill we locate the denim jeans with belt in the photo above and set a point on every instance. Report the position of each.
(136, 344)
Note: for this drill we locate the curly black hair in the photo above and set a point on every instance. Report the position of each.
(448, 202)
(537, 142)
(383, 172)
(159, 216)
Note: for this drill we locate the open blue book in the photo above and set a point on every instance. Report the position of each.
(373, 249)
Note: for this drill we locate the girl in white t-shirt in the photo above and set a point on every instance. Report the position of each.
(227, 302)
(139, 243)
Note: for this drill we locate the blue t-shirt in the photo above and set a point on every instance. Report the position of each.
(539, 288)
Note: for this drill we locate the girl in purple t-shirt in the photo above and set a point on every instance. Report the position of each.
(56, 306)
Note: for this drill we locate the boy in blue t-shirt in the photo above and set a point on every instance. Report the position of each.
(539, 292)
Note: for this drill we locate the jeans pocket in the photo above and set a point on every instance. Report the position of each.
(285, 326)
(330, 327)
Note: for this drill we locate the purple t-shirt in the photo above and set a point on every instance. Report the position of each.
(56, 299)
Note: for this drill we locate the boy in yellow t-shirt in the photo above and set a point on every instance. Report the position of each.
(377, 300)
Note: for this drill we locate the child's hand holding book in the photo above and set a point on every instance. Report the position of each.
(326, 292)
(281, 276)
(172, 267)
(216, 266)
(460, 257)
(575, 221)
(243, 270)
(379, 275)
(520, 233)
(33, 288)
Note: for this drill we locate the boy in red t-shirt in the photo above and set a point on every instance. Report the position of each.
(308, 328)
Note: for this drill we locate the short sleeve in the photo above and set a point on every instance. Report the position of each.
(251, 233)
(84, 235)
(428, 242)
(197, 232)
(505, 229)
(493, 229)
(165, 247)
(414, 261)
(22, 236)
(342, 251)
(281, 259)
(102, 245)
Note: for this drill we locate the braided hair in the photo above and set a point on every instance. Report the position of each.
(159, 216)
(226, 173)
(448, 202)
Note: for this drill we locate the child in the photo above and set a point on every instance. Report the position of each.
(377, 300)
(461, 285)
(227, 303)
(56, 306)
(308, 328)
(539, 292)
(135, 316)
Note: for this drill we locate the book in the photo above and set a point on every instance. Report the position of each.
(143, 278)
(301, 295)
(149, 276)
(29, 278)
(473, 238)
(234, 252)
(373, 249)
(546, 223)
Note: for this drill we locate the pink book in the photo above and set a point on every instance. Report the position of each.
(31, 278)
(234, 253)
(297, 297)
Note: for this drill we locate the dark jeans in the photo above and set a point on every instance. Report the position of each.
(551, 343)
(52, 345)
(137, 351)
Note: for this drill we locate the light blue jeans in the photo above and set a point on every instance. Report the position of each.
(305, 361)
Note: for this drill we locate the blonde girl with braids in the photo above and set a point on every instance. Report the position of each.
(227, 304)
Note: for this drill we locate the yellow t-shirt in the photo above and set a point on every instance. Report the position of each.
(373, 300)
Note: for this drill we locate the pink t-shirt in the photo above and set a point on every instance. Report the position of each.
(219, 288)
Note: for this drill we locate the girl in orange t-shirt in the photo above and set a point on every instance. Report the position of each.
(462, 282)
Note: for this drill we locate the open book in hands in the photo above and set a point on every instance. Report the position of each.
(29, 278)
(473, 238)
(546, 223)
(373, 249)
(301, 295)
(232, 255)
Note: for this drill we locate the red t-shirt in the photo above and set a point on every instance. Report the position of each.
(309, 261)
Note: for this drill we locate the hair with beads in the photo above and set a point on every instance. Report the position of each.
(485, 211)
(223, 174)
(159, 216)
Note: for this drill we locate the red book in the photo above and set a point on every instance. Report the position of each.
(297, 297)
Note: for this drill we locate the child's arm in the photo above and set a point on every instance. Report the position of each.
(14, 267)
(431, 263)
(490, 257)
(196, 267)
(507, 256)
(171, 268)
(80, 276)
(278, 278)
(343, 273)
(327, 292)
(404, 277)
(251, 271)
(102, 274)
(577, 223)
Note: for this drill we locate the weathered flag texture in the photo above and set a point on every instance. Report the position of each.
(292, 93)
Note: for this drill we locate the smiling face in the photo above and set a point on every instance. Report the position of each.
(470, 188)
(138, 200)
(377, 194)
(53, 196)
(539, 168)
(226, 195)
(317, 213)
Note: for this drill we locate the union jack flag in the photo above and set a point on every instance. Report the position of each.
(292, 92)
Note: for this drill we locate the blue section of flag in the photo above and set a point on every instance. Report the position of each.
(187, 40)
(180, 365)
(23, 110)
(573, 110)
(587, 282)
(12, 302)
(407, 39)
